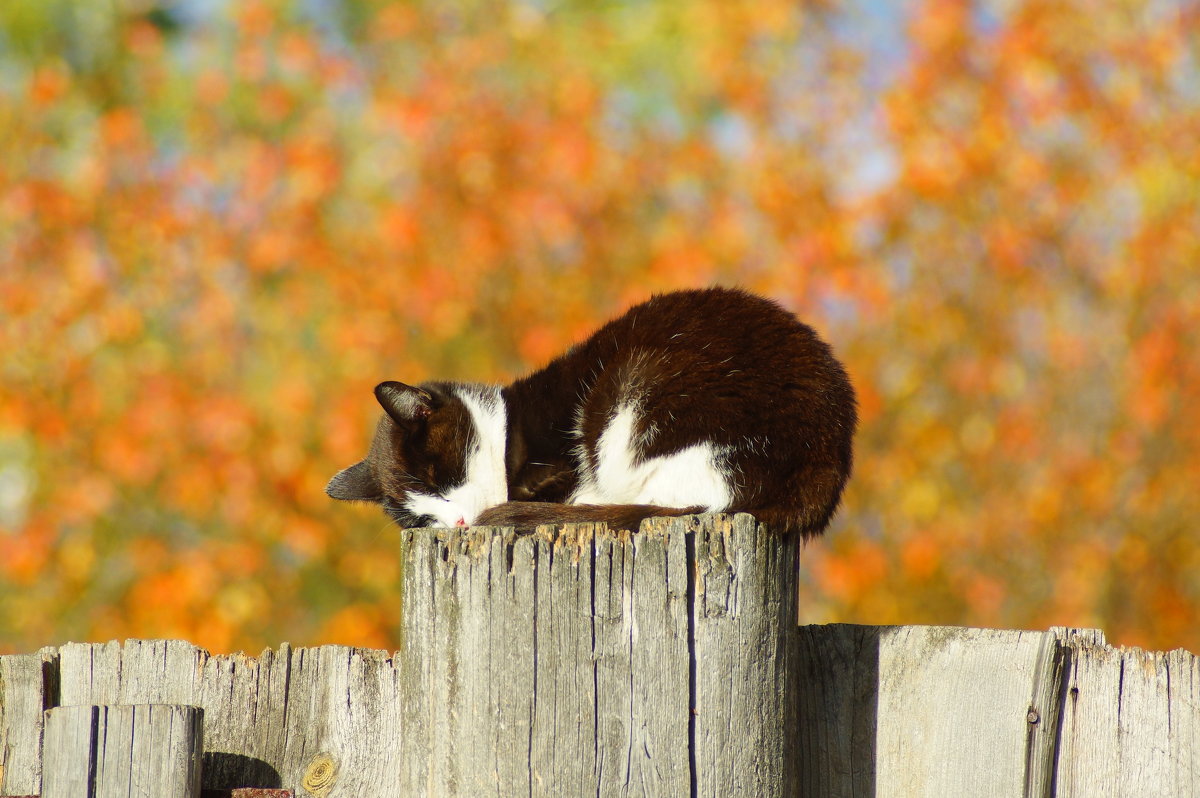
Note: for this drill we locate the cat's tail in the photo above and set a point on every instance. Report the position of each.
(526, 516)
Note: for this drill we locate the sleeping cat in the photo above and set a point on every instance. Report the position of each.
(710, 400)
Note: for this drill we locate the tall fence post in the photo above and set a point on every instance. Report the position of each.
(608, 664)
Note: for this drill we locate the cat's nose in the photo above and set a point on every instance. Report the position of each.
(461, 521)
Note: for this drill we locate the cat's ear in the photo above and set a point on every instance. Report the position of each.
(355, 484)
(405, 404)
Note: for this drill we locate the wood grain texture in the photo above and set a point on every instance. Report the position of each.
(28, 686)
(937, 683)
(921, 710)
(578, 661)
(1131, 723)
(744, 659)
(454, 581)
(562, 655)
(126, 751)
(269, 719)
(838, 684)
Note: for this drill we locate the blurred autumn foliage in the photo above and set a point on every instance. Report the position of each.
(222, 223)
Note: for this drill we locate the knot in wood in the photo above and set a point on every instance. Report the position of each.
(320, 774)
(1032, 716)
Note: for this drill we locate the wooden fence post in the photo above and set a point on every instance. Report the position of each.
(914, 710)
(286, 718)
(28, 687)
(600, 664)
(1131, 723)
(125, 751)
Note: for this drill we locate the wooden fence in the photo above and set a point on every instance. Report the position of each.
(584, 662)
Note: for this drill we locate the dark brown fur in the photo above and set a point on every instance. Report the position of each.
(715, 364)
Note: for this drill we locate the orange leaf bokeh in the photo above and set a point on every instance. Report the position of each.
(217, 234)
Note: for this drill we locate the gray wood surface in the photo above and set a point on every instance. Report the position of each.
(127, 751)
(28, 686)
(567, 656)
(912, 710)
(271, 721)
(576, 661)
(744, 619)
(956, 711)
(1131, 723)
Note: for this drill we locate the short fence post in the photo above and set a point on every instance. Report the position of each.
(122, 751)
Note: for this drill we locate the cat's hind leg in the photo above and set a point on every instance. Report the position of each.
(620, 471)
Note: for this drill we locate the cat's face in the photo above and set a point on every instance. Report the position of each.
(437, 458)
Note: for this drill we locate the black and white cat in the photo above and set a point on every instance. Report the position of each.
(711, 400)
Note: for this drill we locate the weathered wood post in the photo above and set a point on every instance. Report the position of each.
(28, 687)
(938, 710)
(655, 663)
(148, 750)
